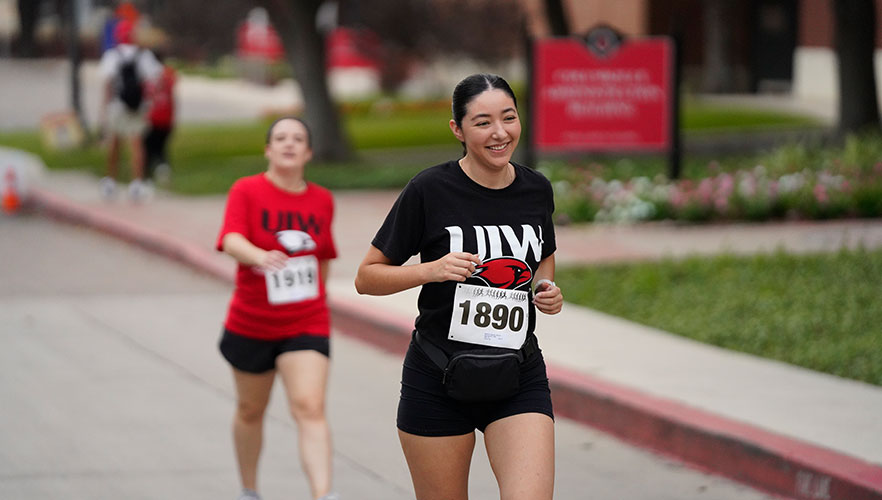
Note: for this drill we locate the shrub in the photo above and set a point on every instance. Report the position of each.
(791, 182)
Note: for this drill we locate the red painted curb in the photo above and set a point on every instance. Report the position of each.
(777, 464)
(150, 239)
(745, 453)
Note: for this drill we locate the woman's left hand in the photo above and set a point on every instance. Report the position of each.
(548, 298)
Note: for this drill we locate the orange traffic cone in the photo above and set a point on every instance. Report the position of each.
(11, 199)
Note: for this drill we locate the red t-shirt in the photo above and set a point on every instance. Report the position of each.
(160, 92)
(257, 209)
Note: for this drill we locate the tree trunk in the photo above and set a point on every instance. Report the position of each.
(557, 18)
(305, 51)
(28, 11)
(718, 74)
(75, 58)
(855, 45)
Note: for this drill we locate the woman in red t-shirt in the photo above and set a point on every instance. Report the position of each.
(278, 228)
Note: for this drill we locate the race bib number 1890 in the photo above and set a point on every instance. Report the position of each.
(489, 316)
(298, 281)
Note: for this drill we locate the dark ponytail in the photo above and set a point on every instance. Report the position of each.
(469, 87)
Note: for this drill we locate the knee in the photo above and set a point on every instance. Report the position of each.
(306, 409)
(249, 412)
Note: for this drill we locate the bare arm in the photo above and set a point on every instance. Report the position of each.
(324, 269)
(548, 297)
(378, 276)
(247, 253)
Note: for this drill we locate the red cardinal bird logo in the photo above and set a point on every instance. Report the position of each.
(503, 272)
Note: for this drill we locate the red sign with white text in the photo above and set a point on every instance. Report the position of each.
(614, 102)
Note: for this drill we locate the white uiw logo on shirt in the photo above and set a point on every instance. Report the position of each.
(489, 240)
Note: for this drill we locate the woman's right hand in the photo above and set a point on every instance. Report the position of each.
(272, 260)
(455, 266)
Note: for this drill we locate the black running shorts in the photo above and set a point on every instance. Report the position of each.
(425, 409)
(257, 356)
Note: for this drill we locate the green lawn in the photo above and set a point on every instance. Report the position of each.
(392, 142)
(816, 311)
(702, 117)
(207, 158)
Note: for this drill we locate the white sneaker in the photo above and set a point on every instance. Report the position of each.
(162, 174)
(107, 187)
(140, 190)
(330, 496)
(248, 495)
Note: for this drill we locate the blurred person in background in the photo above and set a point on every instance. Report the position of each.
(123, 112)
(278, 228)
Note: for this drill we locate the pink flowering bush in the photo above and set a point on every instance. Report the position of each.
(838, 187)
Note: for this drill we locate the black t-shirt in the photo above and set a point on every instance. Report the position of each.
(442, 210)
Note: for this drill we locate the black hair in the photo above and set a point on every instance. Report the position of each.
(471, 86)
(269, 131)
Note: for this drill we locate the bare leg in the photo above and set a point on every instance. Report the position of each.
(305, 375)
(137, 150)
(253, 394)
(439, 466)
(113, 156)
(521, 453)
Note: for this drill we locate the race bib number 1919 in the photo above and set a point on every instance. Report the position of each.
(297, 282)
(489, 316)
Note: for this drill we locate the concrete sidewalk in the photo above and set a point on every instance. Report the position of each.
(786, 430)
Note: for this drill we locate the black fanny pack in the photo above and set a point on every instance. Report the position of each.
(480, 374)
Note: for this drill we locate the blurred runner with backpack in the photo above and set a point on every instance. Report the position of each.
(161, 118)
(125, 68)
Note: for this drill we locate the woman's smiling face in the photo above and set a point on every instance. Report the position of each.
(490, 129)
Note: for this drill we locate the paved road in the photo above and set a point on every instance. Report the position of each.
(112, 388)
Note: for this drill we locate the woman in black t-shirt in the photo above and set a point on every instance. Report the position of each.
(483, 228)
